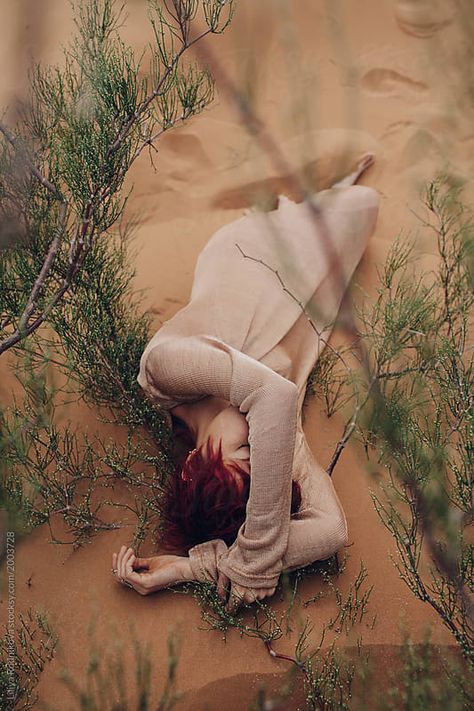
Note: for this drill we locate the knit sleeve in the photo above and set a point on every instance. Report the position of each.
(204, 365)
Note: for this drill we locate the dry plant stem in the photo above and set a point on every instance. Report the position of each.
(349, 429)
(300, 304)
(300, 665)
(352, 423)
(277, 655)
(47, 264)
(150, 141)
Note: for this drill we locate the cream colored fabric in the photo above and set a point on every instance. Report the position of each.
(245, 338)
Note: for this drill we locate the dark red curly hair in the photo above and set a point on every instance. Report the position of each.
(204, 500)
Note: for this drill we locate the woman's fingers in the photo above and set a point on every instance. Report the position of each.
(128, 558)
(119, 561)
(137, 582)
(123, 562)
(137, 573)
(235, 600)
(241, 595)
(141, 563)
(122, 567)
(222, 586)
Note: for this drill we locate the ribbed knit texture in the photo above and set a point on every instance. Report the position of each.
(245, 339)
(202, 365)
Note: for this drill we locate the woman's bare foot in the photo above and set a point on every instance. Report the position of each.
(367, 160)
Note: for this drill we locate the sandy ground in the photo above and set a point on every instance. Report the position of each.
(370, 75)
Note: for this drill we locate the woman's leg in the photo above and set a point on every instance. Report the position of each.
(367, 160)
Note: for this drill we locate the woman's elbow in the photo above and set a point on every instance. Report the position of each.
(330, 538)
(341, 534)
(143, 378)
(143, 381)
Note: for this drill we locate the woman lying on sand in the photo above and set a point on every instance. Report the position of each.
(231, 367)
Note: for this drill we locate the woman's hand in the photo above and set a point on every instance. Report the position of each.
(146, 575)
(239, 595)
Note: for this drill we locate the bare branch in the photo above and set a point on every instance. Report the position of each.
(299, 302)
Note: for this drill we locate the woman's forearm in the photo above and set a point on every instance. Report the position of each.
(311, 537)
(186, 572)
(318, 530)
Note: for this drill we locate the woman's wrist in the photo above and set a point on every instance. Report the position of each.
(185, 569)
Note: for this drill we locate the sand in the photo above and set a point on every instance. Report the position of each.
(366, 75)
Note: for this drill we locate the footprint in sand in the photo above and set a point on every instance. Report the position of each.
(186, 147)
(396, 127)
(388, 81)
(423, 18)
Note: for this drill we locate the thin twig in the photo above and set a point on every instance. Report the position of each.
(47, 264)
(150, 141)
(298, 301)
(349, 429)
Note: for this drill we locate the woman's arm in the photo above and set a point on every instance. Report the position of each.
(319, 531)
(203, 365)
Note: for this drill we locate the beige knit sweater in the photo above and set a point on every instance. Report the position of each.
(244, 338)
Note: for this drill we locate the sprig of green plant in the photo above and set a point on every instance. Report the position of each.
(415, 410)
(52, 470)
(105, 686)
(63, 166)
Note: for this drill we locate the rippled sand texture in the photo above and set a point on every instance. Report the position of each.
(331, 81)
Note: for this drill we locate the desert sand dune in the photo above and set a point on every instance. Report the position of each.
(339, 94)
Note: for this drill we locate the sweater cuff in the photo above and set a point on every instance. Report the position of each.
(204, 558)
(249, 581)
(208, 559)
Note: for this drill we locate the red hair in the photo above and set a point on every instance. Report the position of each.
(206, 499)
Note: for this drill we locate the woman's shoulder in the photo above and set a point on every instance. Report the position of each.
(172, 359)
